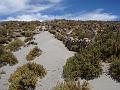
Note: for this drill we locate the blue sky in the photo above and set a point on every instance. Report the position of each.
(27, 10)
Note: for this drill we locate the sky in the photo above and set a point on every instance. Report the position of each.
(29, 10)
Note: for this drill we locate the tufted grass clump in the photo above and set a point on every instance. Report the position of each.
(28, 33)
(8, 58)
(81, 68)
(72, 85)
(15, 45)
(114, 70)
(26, 76)
(35, 52)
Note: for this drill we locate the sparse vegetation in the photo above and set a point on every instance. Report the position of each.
(28, 33)
(72, 85)
(35, 52)
(15, 45)
(93, 41)
(3, 40)
(86, 63)
(114, 69)
(26, 76)
(78, 34)
(82, 67)
(6, 57)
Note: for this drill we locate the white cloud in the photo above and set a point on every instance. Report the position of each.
(25, 6)
(50, 1)
(10, 6)
(32, 17)
(22, 18)
(54, 1)
(98, 14)
(37, 8)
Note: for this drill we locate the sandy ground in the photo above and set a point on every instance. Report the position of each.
(53, 58)
(104, 82)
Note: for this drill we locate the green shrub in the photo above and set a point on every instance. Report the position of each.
(3, 32)
(89, 71)
(74, 68)
(28, 33)
(114, 70)
(71, 85)
(8, 58)
(26, 76)
(2, 51)
(24, 82)
(3, 40)
(71, 70)
(35, 52)
(15, 45)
